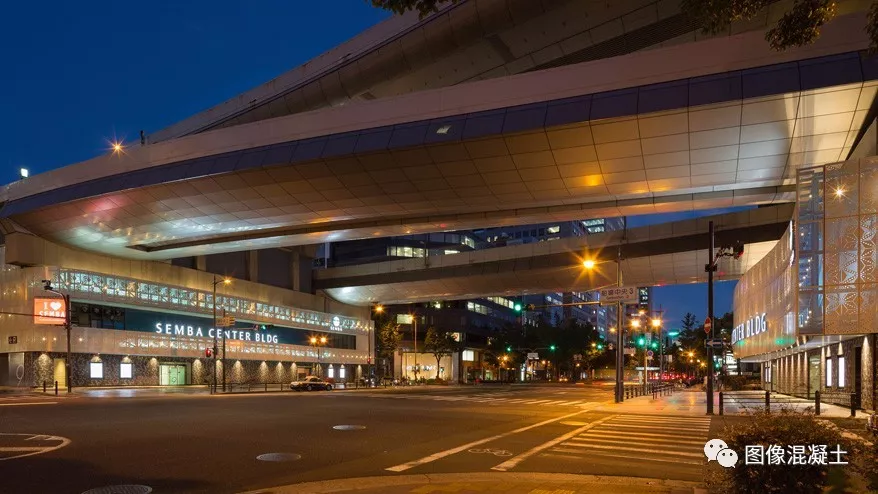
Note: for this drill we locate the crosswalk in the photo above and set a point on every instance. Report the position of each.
(490, 399)
(645, 438)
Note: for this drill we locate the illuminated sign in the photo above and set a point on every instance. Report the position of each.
(230, 334)
(50, 311)
(751, 327)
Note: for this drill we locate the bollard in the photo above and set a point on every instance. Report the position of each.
(853, 404)
(266, 387)
(768, 401)
(44, 386)
(720, 402)
(56, 388)
(817, 402)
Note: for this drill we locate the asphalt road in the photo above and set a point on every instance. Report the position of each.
(199, 443)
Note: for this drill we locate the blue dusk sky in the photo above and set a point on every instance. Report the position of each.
(82, 74)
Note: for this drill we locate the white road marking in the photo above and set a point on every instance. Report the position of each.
(655, 427)
(512, 462)
(577, 444)
(448, 452)
(578, 455)
(28, 403)
(31, 450)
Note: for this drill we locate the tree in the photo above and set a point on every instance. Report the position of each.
(440, 344)
(689, 322)
(424, 7)
(389, 339)
(799, 26)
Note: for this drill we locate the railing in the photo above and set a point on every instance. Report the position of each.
(278, 387)
(655, 389)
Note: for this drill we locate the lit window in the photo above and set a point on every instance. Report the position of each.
(828, 372)
(841, 372)
(468, 356)
(452, 252)
(126, 370)
(553, 229)
(331, 372)
(96, 370)
(341, 372)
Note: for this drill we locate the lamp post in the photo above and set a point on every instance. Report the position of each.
(379, 309)
(318, 341)
(216, 282)
(68, 323)
(620, 354)
(657, 324)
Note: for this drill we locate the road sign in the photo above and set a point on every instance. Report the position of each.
(404, 319)
(708, 325)
(628, 351)
(618, 294)
(714, 343)
(649, 353)
(533, 356)
(577, 357)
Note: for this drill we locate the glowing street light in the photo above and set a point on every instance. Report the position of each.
(656, 323)
(588, 263)
(635, 323)
(24, 172)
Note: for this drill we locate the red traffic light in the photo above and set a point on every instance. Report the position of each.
(208, 352)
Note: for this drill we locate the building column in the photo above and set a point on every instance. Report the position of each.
(297, 272)
(253, 266)
(201, 263)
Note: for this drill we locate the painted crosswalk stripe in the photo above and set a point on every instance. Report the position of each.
(578, 454)
(622, 448)
(659, 427)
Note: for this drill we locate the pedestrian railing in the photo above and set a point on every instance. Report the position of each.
(278, 387)
(654, 388)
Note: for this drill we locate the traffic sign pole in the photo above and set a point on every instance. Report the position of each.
(708, 324)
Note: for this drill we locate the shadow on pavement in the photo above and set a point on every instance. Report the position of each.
(36, 475)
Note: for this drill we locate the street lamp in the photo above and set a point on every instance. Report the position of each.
(315, 341)
(47, 286)
(657, 324)
(590, 264)
(224, 281)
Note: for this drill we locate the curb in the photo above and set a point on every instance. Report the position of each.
(597, 483)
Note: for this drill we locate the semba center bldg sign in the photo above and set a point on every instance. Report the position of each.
(749, 328)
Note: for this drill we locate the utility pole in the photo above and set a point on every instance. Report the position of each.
(620, 354)
(68, 324)
(224, 351)
(711, 267)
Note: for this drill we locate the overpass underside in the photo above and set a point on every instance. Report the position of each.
(703, 125)
(670, 253)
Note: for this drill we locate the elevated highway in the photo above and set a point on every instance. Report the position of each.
(670, 253)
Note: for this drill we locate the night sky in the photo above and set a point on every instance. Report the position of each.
(82, 74)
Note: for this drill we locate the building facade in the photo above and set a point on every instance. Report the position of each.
(808, 311)
(152, 323)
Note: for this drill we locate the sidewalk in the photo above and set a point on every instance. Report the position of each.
(512, 483)
(694, 403)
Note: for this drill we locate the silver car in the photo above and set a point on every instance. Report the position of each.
(311, 383)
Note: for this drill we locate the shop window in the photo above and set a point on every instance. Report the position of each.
(841, 372)
(828, 372)
(126, 370)
(341, 372)
(96, 370)
(331, 372)
(468, 356)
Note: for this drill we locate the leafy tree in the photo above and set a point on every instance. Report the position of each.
(389, 339)
(440, 344)
(799, 26)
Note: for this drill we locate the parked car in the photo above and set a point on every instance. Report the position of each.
(311, 383)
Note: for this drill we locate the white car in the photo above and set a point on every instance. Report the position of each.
(311, 383)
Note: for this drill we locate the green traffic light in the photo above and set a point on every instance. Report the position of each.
(600, 347)
(517, 307)
(552, 347)
(509, 349)
(641, 341)
(654, 345)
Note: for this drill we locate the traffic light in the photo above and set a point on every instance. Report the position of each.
(641, 341)
(552, 347)
(517, 307)
(208, 352)
(600, 346)
(654, 345)
(509, 348)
